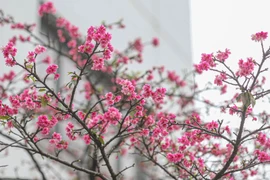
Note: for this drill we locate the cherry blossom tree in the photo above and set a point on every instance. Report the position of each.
(86, 126)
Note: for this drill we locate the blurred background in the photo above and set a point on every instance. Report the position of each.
(185, 30)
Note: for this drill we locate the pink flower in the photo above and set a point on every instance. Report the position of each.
(223, 89)
(147, 91)
(17, 26)
(98, 63)
(35, 139)
(45, 131)
(60, 22)
(170, 157)
(31, 56)
(253, 172)
(198, 68)
(61, 36)
(138, 45)
(227, 129)
(46, 7)
(69, 131)
(262, 139)
(208, 58)
(259, 36)
(39, 49)
(47, 60)
(53, 121)
(10, 62)
(184, 140)
(219, 79)
(207, 61)
(175, 157)
(72, 43)
(212, 125)
(43, 121)
(158, 95)
(56, 76)
(81, 115)
(105, 40)
(155, 42)
(172, 76)
(245, 68)
(222, 56)
(87, 47)
(233, 109)
(10, 124)
(87, 139)
(112, 115)
(127, 87)
(262, 156)
(52, 69)
(9, 50)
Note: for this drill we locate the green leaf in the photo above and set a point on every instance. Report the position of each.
(33, 78)
(247, 99)
(42, 90)
(252, 99)
(44, 102)
(101, 140)
(4, 117)
(70, 85)
(239, 97)
(29, 66)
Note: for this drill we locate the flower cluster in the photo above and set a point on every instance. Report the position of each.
(138, 45)
(45, 124)
(111, 99)
(112, 115)
(100, 36)
(128, 87)
(51, 69)
(8, 76)
(212, 125)
(5, 110)
(259, 36)
(222, 56)
(262, 155)
(176, 157)
(172, 76)
(158, 95)
(28, 99)
(219, 79)
(207, 61)
(263, 140)
(69, 131)
(17, 26)
(245, 68)
(32, 54)
(9, 52)
(87, 139)
(57, 141)
(46, 7)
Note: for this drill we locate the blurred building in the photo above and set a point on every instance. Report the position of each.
(167, 20)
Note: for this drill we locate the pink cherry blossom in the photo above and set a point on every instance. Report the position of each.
(51, 69)
(155, 42)
(259, 36)
(46, 7)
